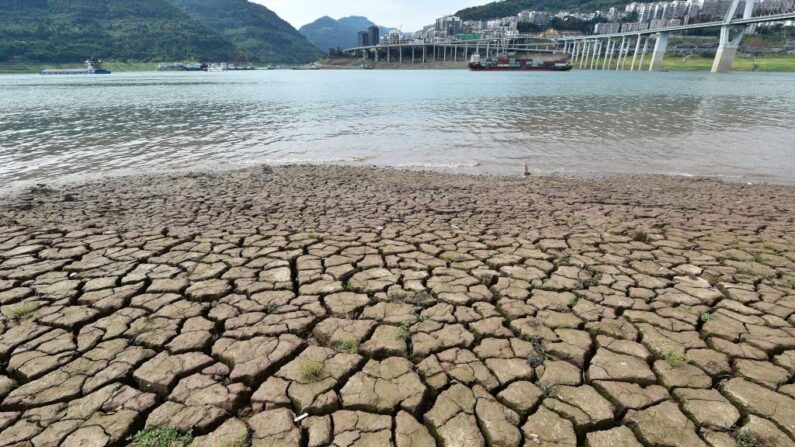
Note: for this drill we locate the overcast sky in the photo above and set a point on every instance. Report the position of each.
(410, 14)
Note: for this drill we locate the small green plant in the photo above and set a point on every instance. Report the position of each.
(706, 316)
(565, 326)
(168, 436)
(539, 354)
(242, 441)
(790, 280)
(747, 270)
(20, 310)
(770, 246)
(675, 359)
(574, 301)
(450, 257)
(734, 242)
(404, 332)
(547, 388)
(640, 236)
(349, 346)
(751, 439)
(420, 297)
(761, 258)
(271, 308)
(311, 370)
(311, 235)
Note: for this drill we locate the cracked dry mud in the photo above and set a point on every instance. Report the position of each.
(398, 308)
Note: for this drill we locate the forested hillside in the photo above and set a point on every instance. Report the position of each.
(511, 7)
(253, 28)
(57, 31)
(69, 31)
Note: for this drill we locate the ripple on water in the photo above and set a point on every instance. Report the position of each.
(580, 123)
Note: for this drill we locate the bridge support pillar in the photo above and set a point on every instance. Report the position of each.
(635, 54)
(596, 56)
(727, 47)
(610, 52)
(660, 47)
(621, 52)
(724, 58)
(643, 53)
(626, 54)
(586, 45)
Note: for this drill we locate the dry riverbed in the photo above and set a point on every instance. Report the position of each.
(397, 308)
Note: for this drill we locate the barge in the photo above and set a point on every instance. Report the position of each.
(504, 63)
(93, 67)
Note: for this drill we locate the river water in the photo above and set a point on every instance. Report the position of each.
(738, 126)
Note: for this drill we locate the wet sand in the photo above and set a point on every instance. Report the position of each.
(398, 308)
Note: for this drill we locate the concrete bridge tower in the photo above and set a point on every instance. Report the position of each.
(660, 46)
(728, 45)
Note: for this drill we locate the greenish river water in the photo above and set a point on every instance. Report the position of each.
(738, 126)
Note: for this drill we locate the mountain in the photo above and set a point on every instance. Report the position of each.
(506, 8)
(326, 33)
(69, 31)
(66, 31)
(253, 28)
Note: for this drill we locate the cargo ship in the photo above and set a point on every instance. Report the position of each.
(504, 63)
(93, 67)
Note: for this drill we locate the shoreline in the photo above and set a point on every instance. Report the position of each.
(767, 63)
(79, 181)
(476, 170)
(113, 186)
(395, 307)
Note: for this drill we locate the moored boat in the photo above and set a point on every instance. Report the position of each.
(93, 67)
(182, 67)
(504, 63)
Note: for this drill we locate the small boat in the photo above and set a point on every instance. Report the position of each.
(314, 67)
(182, 67)
(93, 67)
(504, 63)
(367, 67)
(224, 66)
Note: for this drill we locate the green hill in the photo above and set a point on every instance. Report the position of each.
(253, 28)
(69, 31)
(507, 8)
(65, 31)
(326, 33)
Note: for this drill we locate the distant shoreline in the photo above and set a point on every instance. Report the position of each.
(764, 63)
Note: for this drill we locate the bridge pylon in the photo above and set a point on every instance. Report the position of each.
(660, 47)
(728, 44)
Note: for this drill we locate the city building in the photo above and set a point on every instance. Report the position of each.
(373, 35)
(540, 18)
(636, 16)
(607, 28)
(450, 25)
(393, 38)
(363, 39)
